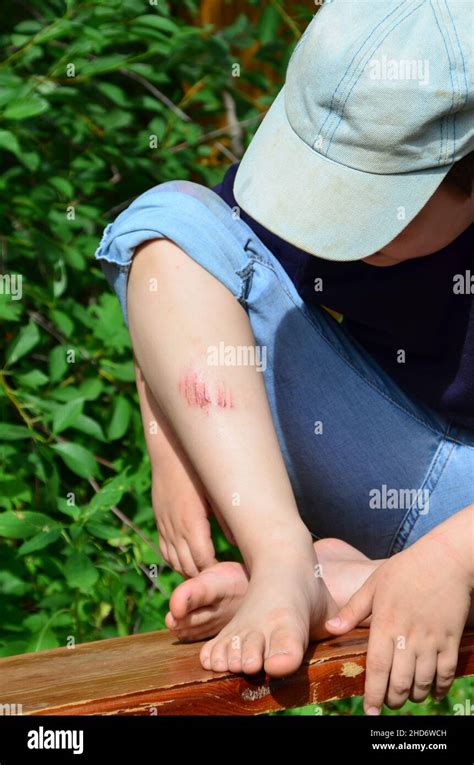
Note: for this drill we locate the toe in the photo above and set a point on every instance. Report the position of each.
(205, 654)
(207, 589)
(253, 647)
(170, 621)
(234, 654)
(285, 652)
(199, 625)
(183, 597)
(219, 655)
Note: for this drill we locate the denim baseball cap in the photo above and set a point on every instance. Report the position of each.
(377, 106)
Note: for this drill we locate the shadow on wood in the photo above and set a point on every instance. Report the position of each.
(153, 673)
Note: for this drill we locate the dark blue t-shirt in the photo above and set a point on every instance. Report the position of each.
(423, 306)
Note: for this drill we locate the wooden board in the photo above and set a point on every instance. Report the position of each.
(153, 673)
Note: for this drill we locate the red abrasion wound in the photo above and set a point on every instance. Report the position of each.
(195, 390)
(224, 398)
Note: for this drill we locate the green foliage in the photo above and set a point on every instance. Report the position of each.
(84, 87)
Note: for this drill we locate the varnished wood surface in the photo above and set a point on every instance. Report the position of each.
(153, 673)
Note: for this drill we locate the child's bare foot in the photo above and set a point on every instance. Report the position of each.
(286, 606)
(200, 607)
(344, 569)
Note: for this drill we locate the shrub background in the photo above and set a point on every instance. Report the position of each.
(99, 101)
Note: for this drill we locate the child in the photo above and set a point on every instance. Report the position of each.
(353, 425)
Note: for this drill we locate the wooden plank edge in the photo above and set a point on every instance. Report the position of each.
(316, 682)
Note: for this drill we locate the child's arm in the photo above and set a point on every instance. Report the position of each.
(420, 601)
(179, 502)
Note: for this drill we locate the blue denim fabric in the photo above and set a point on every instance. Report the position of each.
(373, 435)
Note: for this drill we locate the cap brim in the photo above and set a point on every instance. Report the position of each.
(327, 209)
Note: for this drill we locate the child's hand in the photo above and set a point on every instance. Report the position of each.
(181, 511)
(419, 600)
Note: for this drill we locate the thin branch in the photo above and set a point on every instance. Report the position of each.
(287, 18)
(236, 132)
(226, 151)
(213, 134)
(157, 93)
(10, 394)
(126, 520)
(49, 327)
(46, 325)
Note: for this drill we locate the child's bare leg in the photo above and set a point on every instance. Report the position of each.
(222, 417)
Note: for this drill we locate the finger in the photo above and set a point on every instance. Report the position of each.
(202, 547)
(163, 549)
(425, 672)
(358, 608)
(174, 561)
(401, 675)
(186, 559)
(173, 536)
(165, 541)
(378, 665)
(446, 670)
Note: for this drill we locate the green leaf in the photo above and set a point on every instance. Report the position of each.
(9, 142)
(103, 64)
(59, 278)
(157, 22)
(120, 418)
(114, 93)
(11, 584)
(57, 363)
(35, 378)
(102, 530)
(63, 186)
(29, 27)
(80, 572)
(91, 388)
(10, 310)
(25, 108)
(68, 509)
(109, 495)
(62, 321)
(43, 641)
(24, 524)
(268, 26)
(14, 492)
(89, 426)
(107, 313)
(66, 415)
(78, 459)
(39, 541)
(24, 342)
(31, 160)
(124, 372)
(10, 432)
